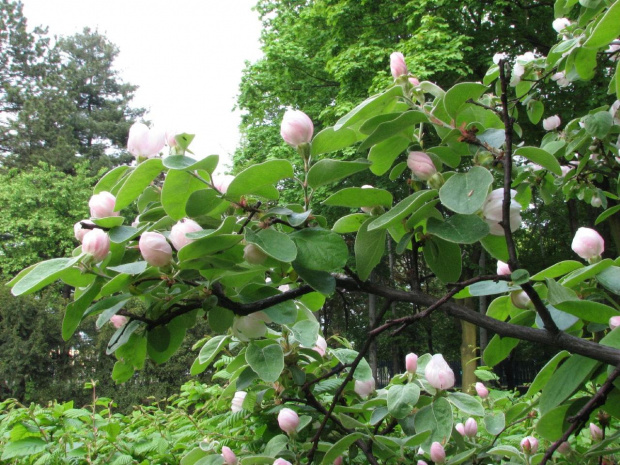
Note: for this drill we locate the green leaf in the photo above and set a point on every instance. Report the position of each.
(220, 319)
(543, 376)
(607, 29)
(181, 162)
(321, 281)
(557, 293)
(137, 181)
(566, 380)
(208, 246)
(466, 192)
(276, 445)
(402, 209)
(356, 197)
(347, 356)
(377, 104)
(320, 249)
(163, 341)
(495, 422)
(202, 202)
(349, 223)
(496, 246)
(122, 335)
(585, 63)
(109, 222)
(457, 96)
(559, 269)
(561, 319)
(109, 180)
(535, 110)
(108, 308)
(383, 154)
(122, 372)
(447, 155)
(133, 268)
(369, 249)
(443, 258)
(402, 124)
(214, 346)
(273, 243)
(466, 403)
(540, 157)
(599, 124)
(41, 275)
(23, 448)
(340, 447)
(177, 189)
(610, 279)
(498, 349)
(121, 234)
(306, 332)
(401, 399)
(266, 359)
(581, 274)
(327, 171)
(460, 229)
(589, 311)
(609, 212)
(436, 418)
(75, 310)
(255, 177)
(329, 140)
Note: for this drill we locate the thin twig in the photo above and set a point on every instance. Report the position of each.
(582, 416)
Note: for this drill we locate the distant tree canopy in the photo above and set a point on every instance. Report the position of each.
(61, 102)
(323, 56)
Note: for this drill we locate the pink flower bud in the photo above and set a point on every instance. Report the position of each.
(415, 82)
(320, 346)
(229, 456)
(612, 52)
(178, 232)
(588, 243)
(438, 373)
(529, 445)
(471, 428)
(102, 205)
(561, 80)
(155, 249)
(118, 321)
(171, 140)
(460, 427)
(367, 209)
(499, 56)
(502, 268)
(288, 420)
(97, 244)
(422, 462)
(520, 299)
(560, 24)
(253, 255)
(565, 169)
(338, 460)
(222, 182)
(145, 142)
(551, 123)
(421, 165)
(492, 211)
(482, 390)
(614, 322)
(296, 128)
(411, 363)
(237, 403)
(364, 388)
(282, 462)
(398, 65)
(246, 328)
(564, 448)
(596, 432)
(438, 454)
(79, 231)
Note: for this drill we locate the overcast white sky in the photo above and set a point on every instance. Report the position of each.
(187, 58)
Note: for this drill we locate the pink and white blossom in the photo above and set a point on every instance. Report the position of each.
(398, 67)
(178, 233)
(411, 363)
(421, 165)
(102, 205)
(96, 243)
(237, 403)
(118, 321)
(155, 249)
(145, 142)
(288, 420)
(438, 454)
(551, 123)
(364, 388)
(588, 243)
(438, 373)
(296, 128)
(492, 211)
